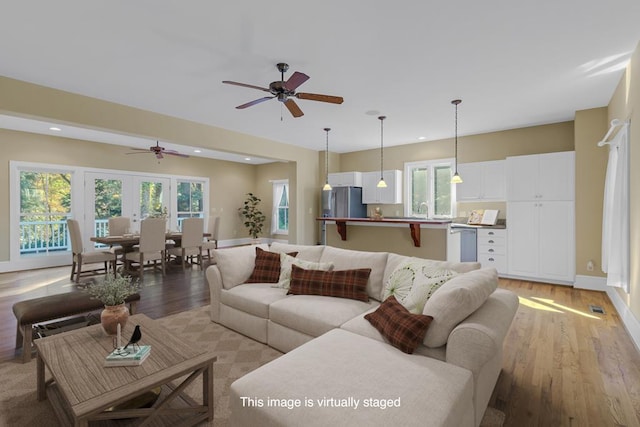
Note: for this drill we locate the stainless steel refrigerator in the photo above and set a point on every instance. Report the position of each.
(342, 202)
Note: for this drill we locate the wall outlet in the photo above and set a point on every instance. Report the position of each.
(590, 265)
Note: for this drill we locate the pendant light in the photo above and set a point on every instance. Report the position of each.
(455, 179)
(381, 183)
(326, 187)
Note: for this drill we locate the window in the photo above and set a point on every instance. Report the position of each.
(45, 205)
(429, 189)
(280, 217)
(190, 202)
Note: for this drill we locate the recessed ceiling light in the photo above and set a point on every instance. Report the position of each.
(197, 151)
(55, 129)
(248, 159)
(422, 137)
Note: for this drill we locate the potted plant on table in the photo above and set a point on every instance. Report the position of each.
(112, 292)
(252, 215)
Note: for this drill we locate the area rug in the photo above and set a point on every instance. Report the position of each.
(236, 353)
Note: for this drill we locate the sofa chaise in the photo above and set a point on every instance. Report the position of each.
(341, 370)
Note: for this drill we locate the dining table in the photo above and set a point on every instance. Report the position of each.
(128, 241)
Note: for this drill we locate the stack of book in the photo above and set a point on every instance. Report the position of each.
(132, 356)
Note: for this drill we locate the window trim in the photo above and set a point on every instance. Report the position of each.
(430, 164)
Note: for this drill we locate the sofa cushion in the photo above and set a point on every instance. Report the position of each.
(252, 298)
(430, 392)
(266, 267)
(455, 301)
(314, 315)
(402, 329)
(340, 283)
(306, 252)
(413, 283)
(286, 261)
(345, 259)
(236, 264)
(359, 325)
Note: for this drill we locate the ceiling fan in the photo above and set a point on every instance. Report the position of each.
(158, 151)
(285, 90)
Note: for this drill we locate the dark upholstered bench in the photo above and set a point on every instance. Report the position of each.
(52, 307)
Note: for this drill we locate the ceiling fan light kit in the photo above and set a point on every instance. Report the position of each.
(284, 91)
(456, 179)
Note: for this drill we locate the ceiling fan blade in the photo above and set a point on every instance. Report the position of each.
(293, 108)
(295, 80)
(174, 153)
(141, 151)
(254, 102)
(245, 85)
(322, 98)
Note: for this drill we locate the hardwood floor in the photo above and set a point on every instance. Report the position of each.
(563, 365)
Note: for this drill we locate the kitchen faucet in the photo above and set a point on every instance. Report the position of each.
(426, 209)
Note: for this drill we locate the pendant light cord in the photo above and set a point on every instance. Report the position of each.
(381, 146)
(326, 159)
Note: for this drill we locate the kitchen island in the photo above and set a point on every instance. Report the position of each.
(425, 238)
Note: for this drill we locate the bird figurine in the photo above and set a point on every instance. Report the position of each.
(135, 337)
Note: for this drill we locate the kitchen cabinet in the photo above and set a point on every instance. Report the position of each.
(541, 240)
(345, 179)
(392, 194)
(492, 249)
(549, 176)
(482, 181)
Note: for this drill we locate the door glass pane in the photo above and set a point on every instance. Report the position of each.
(151, 199)
(442, 190)
(419, 191)
(107, 204)
(189, 201)
(45, 205)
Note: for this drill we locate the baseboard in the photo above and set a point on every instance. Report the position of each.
(591, 283)
(630, 322)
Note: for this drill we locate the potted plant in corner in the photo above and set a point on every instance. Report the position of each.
(112, 292)
(252, 216)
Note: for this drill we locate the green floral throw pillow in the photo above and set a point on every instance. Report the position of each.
(413, 283)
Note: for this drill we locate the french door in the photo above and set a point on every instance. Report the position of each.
(137, 197)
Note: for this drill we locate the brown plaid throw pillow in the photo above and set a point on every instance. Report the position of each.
(267, 267)
(402, 329)
(339, 283)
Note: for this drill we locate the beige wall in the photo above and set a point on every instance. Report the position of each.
(626, 101)
(591, 166)
(229, 181)
(29, 100)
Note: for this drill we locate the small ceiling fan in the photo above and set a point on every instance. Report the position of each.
(158, 151)
(285, 90)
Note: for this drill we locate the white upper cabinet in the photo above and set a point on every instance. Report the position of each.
(549, 176)
(392, 194)
(481, 181)
(345, 179)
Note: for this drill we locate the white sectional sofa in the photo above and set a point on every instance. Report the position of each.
(333, 352)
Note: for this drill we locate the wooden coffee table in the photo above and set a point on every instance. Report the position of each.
(81, 389)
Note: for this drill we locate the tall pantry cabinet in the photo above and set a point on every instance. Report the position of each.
(541, 218)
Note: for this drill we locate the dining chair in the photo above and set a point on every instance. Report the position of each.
(119, 225)
(80, 257)
(151, 248)
(211, 242)
(191, 243)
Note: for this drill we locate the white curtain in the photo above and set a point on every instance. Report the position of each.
(615, 216)
(278, 189)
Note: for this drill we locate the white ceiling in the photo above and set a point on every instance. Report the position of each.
(513, 63)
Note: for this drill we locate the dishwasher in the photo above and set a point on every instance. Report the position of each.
(462, 243)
